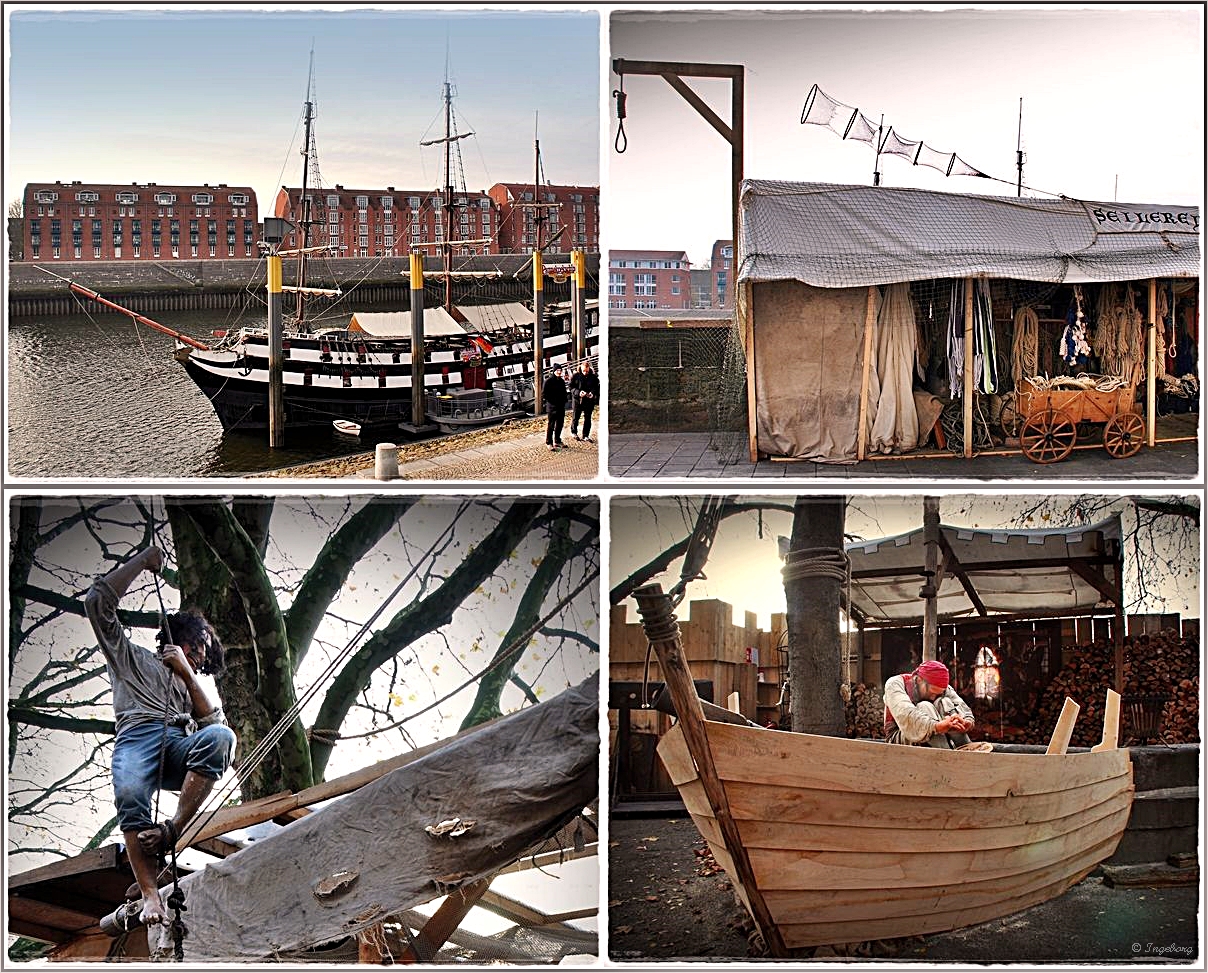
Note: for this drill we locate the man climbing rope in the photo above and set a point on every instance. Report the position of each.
(170, 735)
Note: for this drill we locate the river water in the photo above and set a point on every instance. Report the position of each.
(102, 396)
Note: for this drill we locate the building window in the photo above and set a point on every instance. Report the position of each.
(644, 285)
(203, 199)
(165, 199)
(86, 197)
(619, 303)
(45, 196)
(616, 284)
(727, 252)
(985, 674)
(645, 305)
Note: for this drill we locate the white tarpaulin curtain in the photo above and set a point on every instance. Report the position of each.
(854, 236)
(893, 419)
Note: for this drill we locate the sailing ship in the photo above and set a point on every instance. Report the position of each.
(829, 840)
(362, 373)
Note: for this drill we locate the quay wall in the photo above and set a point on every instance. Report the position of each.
(186, 285)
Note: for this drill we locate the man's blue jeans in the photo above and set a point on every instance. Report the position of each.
(136, 765)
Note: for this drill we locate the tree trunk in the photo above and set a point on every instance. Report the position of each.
(815, 651)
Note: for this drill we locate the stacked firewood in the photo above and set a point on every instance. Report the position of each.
(1155, 666)
(865, 710)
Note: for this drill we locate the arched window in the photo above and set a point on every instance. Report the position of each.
(986, 682)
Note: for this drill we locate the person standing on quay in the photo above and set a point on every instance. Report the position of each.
(585, 387)
(553, 394)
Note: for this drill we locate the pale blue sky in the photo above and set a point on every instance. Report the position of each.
(215, 95)
(1108, 90)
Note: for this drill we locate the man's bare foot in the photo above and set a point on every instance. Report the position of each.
(153, 909)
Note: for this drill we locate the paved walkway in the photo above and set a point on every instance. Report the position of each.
(691, 455)
(524, 458)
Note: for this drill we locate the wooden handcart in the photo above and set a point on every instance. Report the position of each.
(1051, 417)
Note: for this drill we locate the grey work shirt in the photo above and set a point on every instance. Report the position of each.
(140, 680)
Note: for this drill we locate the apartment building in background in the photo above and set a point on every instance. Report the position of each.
(569, 213)
(101, 221)
(649, 279)
(389, 222)
(721, 270)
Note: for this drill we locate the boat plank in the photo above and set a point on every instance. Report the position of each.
(771, 832)
(797, 936)
(817, 905)
(794, 805)
(783, 869)
(835, 763)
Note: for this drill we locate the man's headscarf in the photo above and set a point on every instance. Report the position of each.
(934, 673)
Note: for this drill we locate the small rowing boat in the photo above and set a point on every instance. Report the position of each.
(829, 840)
(346, 427)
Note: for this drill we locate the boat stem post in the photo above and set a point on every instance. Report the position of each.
(662, 629)
(276, 360)
(417, 340)
(1064, 730)
(579, 303)
(1111, 723)
(538, 326)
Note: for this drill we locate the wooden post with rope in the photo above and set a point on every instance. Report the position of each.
(662, 630)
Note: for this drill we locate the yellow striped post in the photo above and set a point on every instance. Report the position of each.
(538, 316)
(276, 359)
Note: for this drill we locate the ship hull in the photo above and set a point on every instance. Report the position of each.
(851, 841)
(354, 378)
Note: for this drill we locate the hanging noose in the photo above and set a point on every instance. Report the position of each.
(622, 140)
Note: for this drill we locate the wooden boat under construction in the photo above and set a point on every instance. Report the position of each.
(829, 840)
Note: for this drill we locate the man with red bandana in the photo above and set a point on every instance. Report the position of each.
(922, 709)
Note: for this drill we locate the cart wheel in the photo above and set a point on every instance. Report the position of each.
(1047, 437)
(1123, 434)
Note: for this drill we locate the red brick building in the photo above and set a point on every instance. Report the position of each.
(573, 209)
(721, 274)
(388, 222)
(649, 279)
(95, 221)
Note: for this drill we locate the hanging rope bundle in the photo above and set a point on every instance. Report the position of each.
(823, 562)
(1119, 339)
(1025, 360)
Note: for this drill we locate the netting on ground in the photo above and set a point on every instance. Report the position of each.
(1031, 321)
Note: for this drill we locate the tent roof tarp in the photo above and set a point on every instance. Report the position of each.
(1012, 572)
(856, 236)
(395, 324)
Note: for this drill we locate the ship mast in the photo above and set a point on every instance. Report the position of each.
(448, 247)
(306, 208)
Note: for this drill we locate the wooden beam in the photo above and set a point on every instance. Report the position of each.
(865, 374)
(276, 805)
(691, 69)
(107, 856)
(445, 920)
(47, 915)
(1151, 354)
(1097, 579)
(985, 567)
(953, 563)
(550, 858)
(523, 915)
(702, 109)
(661, 629)
(748, 337)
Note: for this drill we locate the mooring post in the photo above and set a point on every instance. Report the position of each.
(276, 360)
(538, 315)
(579, 303)
(417, 339)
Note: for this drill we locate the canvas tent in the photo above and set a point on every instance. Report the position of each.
(817, 261)
(1067, 571)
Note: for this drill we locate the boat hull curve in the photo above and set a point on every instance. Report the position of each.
(852, 840)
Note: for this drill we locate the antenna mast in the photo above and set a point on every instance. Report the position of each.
(305, 208)
(1019, 153)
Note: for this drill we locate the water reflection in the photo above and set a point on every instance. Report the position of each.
(100, 396)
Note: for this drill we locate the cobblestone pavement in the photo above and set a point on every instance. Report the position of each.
(692, 455)
(524, 458)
